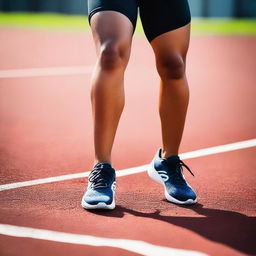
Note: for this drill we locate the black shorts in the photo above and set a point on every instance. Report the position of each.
(157, 16)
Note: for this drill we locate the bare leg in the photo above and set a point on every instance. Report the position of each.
(170, 51)
(112, 33)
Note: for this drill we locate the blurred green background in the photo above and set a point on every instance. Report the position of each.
(205, 8)
(209, 16)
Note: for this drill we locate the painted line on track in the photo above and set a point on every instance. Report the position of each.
(136, 246)
(138, 169)
(220, 149)
(49, 71)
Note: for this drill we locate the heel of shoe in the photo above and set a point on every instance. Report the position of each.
(153, 174)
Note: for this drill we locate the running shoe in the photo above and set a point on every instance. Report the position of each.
(101, 188)
(169, 173)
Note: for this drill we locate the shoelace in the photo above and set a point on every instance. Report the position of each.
(183, 164)
(178, 171)
(99, 178)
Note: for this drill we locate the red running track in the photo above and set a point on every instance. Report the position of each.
(46, 131)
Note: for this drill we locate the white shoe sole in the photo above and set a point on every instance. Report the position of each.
(153, 174)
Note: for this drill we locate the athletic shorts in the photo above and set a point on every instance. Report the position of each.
(157, 16)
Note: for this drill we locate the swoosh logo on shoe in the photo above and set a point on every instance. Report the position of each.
(113, 187)
(163, 175)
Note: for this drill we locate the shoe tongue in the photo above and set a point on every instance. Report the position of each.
(173, 159)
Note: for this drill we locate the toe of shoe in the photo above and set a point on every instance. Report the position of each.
(184, 195)
(94, 197)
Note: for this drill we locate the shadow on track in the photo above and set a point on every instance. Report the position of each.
(226, 227)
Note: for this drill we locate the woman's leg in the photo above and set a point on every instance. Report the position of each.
(112, 33)
(170, 52)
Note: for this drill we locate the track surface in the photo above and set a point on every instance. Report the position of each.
(46, 130)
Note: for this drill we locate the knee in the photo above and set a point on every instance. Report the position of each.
(171, 67)
(112, 56)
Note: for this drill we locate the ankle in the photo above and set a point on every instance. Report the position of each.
(166, 153)
(102, 157)
(100, 161)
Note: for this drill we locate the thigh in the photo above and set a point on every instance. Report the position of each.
(172, 43)
(113, 24)
(111, 30)
(161, 16)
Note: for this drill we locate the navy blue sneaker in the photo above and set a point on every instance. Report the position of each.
(100, 192)
(169, 173)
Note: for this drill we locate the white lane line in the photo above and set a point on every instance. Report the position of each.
(43, 181)
(219, 149)
(49, 71)
(136, 246)
(138, 169)
(120, 173)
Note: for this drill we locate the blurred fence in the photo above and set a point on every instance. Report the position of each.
(199, 8)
